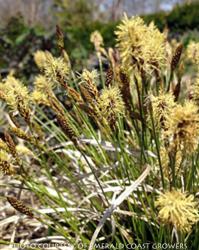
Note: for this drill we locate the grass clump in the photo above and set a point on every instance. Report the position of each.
(111, 157)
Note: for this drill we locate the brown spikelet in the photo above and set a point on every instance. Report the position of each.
(24, 112)
(20, 133)
(60, 37)
(109, 77)
(176, 91)
(66, 127)
(176, 57)
(19, 206)
(89, 92)
(74, 95)
(112, 122)
(90, 111)
(6, 168)
(55, 105)
(10, 143)
(125, 89)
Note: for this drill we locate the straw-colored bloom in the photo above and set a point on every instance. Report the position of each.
(111, 105)
(177, 209)
(193, 52)
(183, 127)
(97, 39)
(55, 69)
(195, 91)
(140, 46)
(88, 85)
(42, 84)
(89, 76)
(5, 165)
(40, 58)
(162, 106)
(24, 151)
(39, 98)
(15, 93)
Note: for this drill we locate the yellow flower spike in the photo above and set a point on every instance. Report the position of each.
(111, 105)
(4, 156)
(40, 58)
(55, 69)
(4, 146)
(39, 98)
(15, 93)
(5, 166)
(42, 84)
(89, 76)
(195, 91)
(97, 39)
(193, 52)
(88, 85)
(24, 151)
(162, 106)
(140, 46)
(183, 127)
(177, 209)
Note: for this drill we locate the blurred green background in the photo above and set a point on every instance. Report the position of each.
(27, 26)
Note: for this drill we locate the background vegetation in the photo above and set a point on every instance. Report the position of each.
(19, 40)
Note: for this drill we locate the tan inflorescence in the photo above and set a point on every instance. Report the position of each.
(193, 52)
(141, 46)
(162, 106)
(16, 94)
(195, 90)
(20, 206)
(55, 69)
(183, 127)
(111, 105)
(177, 209)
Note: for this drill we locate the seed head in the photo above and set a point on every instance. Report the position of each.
(5, 165)
(15, 93)
(55, 69)
(141, 47)
(193, 52)
(20, 133)
(40, 58)
(125, 89)
(97, 39)
(176, 57)
(66, 127)
(178, 209)
(88, 86)
(39, 98)
(111, 105)
(162, 106)
(42, 84)
(11, 144)
(4, 146)
(20, 206)
(109, 77)
(74, 95)
(183, 127)
(195, 91)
